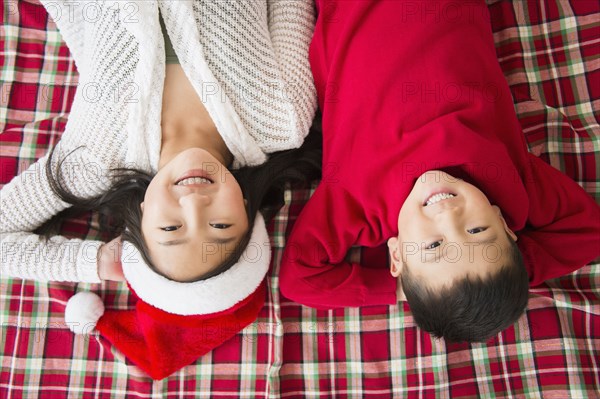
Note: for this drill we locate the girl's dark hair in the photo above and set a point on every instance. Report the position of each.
(262, 187)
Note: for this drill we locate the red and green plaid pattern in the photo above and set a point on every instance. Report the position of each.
(549, 51)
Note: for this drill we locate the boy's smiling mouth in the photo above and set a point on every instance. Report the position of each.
(437, 197)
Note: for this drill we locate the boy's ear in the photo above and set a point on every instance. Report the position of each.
(509, 231)
(395, 257)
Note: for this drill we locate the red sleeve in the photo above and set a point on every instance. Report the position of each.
(563, 230)
(313, 270)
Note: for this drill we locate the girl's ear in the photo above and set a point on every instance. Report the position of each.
(142, 207)
(508, 231)
(395, 257)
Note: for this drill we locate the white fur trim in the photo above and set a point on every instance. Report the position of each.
(83, 311)
(213, 295)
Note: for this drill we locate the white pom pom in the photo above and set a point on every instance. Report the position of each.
(83, 311)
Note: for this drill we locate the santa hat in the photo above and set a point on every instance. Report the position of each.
(175, 323)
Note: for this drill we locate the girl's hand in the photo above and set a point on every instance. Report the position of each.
(109, 261)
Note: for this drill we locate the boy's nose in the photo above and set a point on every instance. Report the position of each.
(449, 209)
(449, 216)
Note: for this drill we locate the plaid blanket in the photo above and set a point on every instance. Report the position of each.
(549, 52)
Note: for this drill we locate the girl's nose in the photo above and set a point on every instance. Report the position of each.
(195, 200)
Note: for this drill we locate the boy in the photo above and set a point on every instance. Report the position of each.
(422, 149)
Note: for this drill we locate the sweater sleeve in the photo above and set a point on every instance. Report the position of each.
(314, 271)
(563, 230)
(291, 26)
(28, 201)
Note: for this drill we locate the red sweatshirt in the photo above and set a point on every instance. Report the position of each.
(407, 87)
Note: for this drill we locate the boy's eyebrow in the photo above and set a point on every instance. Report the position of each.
(434, 260)
(488, 240)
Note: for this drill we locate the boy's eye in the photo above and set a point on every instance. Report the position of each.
(220, 225)
(434, 244)
(170, 228)
(476, 230)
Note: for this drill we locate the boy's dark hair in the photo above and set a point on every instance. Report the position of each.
(262, 187)
(472, 309)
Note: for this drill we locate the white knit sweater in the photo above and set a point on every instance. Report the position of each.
(247, 60)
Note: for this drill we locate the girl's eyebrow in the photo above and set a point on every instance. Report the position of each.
(173, 242)
(224, 240)
(185, 241)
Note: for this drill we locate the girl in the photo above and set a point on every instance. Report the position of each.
(152, 145)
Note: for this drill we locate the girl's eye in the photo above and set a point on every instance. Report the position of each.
(476, 230)
(220, 225)
(170, 228)
(434, 244)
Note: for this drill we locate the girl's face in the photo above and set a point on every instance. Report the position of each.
(193, 215)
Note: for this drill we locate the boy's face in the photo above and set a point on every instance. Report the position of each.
(447, 229)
